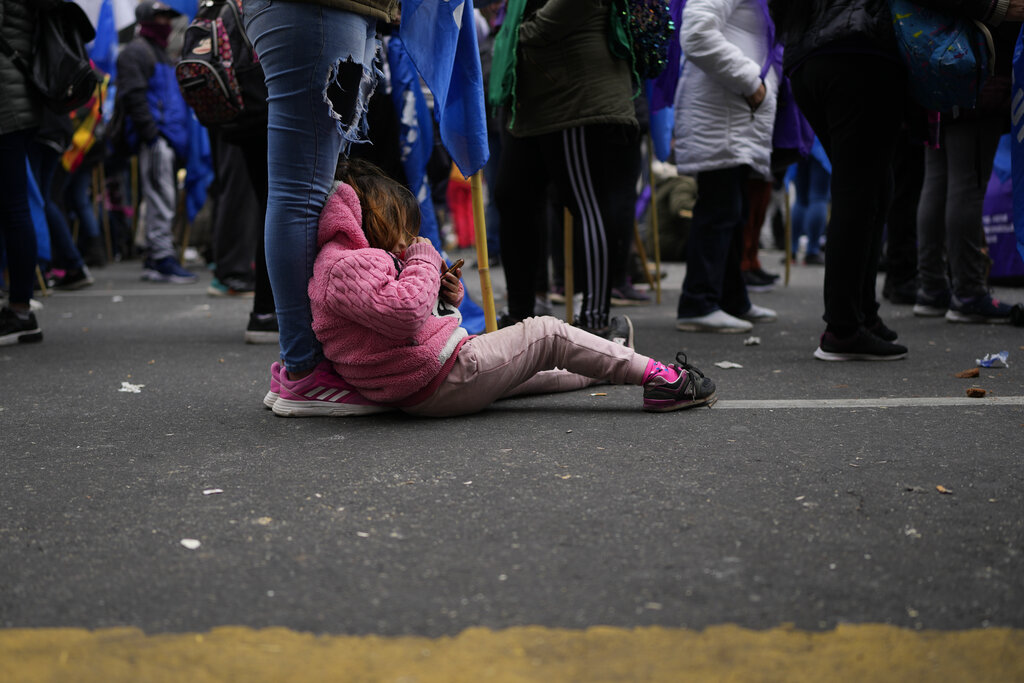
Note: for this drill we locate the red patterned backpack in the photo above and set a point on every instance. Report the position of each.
(219, 74)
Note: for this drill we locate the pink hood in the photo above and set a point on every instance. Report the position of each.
(376, 323)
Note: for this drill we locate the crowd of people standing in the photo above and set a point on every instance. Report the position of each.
(566, 134)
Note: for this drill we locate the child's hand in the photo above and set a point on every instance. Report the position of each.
(449, 292)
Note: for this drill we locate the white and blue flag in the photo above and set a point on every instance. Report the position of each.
(440, 38)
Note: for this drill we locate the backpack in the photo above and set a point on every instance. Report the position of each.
(219, 74)
(948, 56)
(642, 30)
(58, 68)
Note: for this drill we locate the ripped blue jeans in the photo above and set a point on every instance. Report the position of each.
(318, 65)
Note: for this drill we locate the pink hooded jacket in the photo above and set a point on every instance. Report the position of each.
(375, 316)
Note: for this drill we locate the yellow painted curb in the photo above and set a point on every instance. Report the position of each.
(870, 652)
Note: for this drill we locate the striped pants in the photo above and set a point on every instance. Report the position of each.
(591, 170)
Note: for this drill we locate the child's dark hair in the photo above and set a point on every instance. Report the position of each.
(390, 211)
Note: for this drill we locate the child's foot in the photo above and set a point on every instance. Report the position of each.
(320, 394)
(676, 387)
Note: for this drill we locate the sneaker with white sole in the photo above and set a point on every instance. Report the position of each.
(759, 314)
(931, 304)
(715, 321)
(275, 386)
(16, 329)
(689, 389)
(323, 393)
(980, 309)
(862, 345)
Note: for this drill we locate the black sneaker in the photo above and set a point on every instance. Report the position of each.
(628, 295)
(689, 390)
(74, 279)
(904, 293)
(980, 309)
(929, 304)
(883, 331)
(764, 274)
(506, 320)
(756, 282)
(14, 330)
(862, 345)
(619, 330)
(817, 259)
(262, 329)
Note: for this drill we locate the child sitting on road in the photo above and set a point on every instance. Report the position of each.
(386, 313)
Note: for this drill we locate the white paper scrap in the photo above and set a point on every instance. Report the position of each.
(210, 492)
(130, 388)
(726, 364)
(752, 341)
(190, 543)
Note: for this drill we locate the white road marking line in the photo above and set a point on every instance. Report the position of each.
(924, 402)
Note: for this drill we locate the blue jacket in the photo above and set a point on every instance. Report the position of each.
(148, 88)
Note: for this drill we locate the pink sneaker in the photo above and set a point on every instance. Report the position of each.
(275, 386)
(321, 394)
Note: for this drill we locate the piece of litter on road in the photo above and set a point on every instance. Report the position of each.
(210, 492)
(969, 373)
(190, 543)
(752, 341)
(976, 392)
(942, 489)
(726, 364)
(130, 388)
(362, 534)
(116, 299)
(995, 360)
(600, 393)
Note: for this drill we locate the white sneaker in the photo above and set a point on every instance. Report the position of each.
(716, 321)
(759, 314)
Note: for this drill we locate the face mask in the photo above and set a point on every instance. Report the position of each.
(157, 32)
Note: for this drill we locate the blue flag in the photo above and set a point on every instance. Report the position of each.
(416, 142)
(104, 46)
(440, 38)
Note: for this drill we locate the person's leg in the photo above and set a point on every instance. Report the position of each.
(19, 233)
(44, 164)
(159, 190)
(718, 218)
(494, 365)
(816, 216)
(850, 104)
(78, 199)
(931, 222)
(591, 167)
(970, 150)
(492, 218)
(18, 236)
(521, 197)
(318, 64)
(237, 216)
(759, 195)
(901, 223)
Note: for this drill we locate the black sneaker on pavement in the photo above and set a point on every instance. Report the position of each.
(262, 329)
(689, 390)
(74, 279)
(883, 331)
(756, 282)
(928, 304)
(16, 330)
(980, 309)
(628, 295)
(862, 345)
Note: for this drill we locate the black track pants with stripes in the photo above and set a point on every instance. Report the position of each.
(592, 171)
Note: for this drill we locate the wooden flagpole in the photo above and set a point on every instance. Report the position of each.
(480, 228)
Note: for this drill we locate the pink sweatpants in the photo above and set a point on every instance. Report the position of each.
(522, 359)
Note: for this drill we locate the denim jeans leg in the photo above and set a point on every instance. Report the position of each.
(318, 65)
(718, 218)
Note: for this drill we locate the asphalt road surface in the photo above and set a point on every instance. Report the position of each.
(824, 521)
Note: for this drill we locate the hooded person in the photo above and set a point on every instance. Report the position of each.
(156, 124)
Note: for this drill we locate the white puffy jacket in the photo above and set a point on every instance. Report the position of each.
(725, 45)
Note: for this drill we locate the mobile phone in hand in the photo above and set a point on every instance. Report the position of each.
(451, 268)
